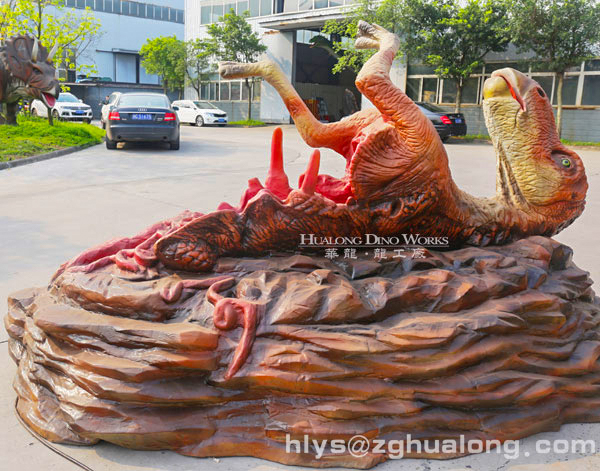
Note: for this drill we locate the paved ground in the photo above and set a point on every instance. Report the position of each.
(50, 211)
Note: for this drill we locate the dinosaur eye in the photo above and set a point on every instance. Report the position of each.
(565, 162)
(541, 92)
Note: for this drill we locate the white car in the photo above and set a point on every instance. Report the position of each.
(199, 113)
(67, 107)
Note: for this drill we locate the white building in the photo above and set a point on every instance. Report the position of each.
(125, 27)
(285, 27)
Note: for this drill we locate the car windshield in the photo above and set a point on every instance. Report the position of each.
(430, 107)
(205, 105)
(150, 101)
(67, 98)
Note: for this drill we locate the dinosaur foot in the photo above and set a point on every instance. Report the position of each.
(373, 36)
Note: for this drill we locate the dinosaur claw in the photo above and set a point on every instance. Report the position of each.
(309, 184)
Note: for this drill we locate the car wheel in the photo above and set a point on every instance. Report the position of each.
(103, 124)
(55, 115)
(174, 144)
(111, 144)
(445, 139)
(34, 112)
(199, 121)
(88, 121)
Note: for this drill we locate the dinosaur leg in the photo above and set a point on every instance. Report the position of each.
(11, 113)
(374, 82)
(335, 136)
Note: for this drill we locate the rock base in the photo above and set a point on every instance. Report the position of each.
(492, 343)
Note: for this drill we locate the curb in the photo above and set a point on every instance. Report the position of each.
(40, 157)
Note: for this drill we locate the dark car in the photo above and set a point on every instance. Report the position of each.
(446, 124)
(142, 117)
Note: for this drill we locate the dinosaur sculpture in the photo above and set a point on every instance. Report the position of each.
(26, 70)
(265, 354)
(397, 177)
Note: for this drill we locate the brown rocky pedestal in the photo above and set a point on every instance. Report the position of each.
(488, 343)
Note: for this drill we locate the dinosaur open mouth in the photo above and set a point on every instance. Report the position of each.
(277, 183)
(49, 100)
(514, 91)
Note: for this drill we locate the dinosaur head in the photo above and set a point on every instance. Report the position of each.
(536, 172)
(31, 69)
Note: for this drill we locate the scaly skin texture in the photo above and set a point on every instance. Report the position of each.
(397, 177)
(26, 70)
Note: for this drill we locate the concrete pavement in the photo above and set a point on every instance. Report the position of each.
(52, 210)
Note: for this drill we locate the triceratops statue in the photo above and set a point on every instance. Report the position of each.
(26, 70)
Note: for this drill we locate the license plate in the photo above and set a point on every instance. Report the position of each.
(79, 112)
(458, 120)
(141, 116)
(221, 120)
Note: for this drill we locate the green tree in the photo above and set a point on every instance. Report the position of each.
(71, 31)
(165, 57)
(452, 37)
(562, 33)
(198, 63)
(233, 40)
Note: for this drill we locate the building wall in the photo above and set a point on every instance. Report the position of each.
(115, 52)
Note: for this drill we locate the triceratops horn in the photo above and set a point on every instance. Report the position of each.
(35, 50)
(52, 52)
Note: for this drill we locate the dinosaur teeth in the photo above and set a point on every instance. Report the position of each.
(277, 181)
(309, 183)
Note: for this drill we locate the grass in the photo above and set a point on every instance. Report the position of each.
(472, 137)
(580, 143)
(34, 136)
(247, 123)
(567, 142)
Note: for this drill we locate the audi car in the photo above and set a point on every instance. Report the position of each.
(67, 107)
(446, 124)
(199, 113)
(141, 117)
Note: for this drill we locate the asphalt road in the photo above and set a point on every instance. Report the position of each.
(52, 210)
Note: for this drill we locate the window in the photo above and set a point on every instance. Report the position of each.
(569, 92)
(256, 91)
(320, 4)
(591, 90)
(125, 7)
(242, 7)
(290, 5)
(254, 7)
(217, 12)
(430, 86)
(180, 18)
(592, 66)
(205, 15)
(165, 13)
(204, 91)
(412, 88)
(305, 5)
(80, 4)
(89, 4)
(70, 3)
(235, 90)
(265, 7)
(225, 91)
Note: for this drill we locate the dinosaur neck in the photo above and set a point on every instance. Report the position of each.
(496, 220)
